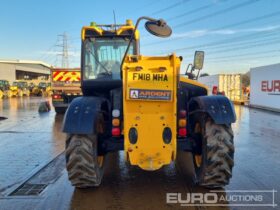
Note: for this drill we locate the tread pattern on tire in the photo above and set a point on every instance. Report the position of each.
(81, 161)
(219, 160)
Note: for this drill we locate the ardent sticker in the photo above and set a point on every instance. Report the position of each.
(163, 95)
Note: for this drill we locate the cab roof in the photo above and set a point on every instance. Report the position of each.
(109, 30)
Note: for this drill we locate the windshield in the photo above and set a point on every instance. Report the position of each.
(20, 84)
(103, 57)
(42, 84)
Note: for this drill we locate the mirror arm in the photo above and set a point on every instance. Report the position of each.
(198, 74)
(190, 64)
(133, 34)
(192, 69)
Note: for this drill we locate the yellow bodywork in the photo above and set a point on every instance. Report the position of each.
(14, 90)
(5, 93)
(150, 105)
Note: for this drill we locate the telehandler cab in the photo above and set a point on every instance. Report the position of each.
(142, 105)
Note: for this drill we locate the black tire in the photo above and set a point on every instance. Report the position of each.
(84, 169)
(60, 110)
(217, 155)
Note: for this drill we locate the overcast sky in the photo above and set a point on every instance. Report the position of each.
(235, 34)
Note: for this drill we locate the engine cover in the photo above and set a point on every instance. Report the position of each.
(150, 110)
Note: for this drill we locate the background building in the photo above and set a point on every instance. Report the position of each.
(12, 70)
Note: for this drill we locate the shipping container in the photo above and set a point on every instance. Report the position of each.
(228, 84)
(265, 87)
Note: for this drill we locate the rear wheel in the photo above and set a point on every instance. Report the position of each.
(84, 161)
(84, 166)
(213, 165)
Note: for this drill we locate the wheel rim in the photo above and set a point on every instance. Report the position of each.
(197, 158)
(100, 130)
(197, 128)
(100, 160)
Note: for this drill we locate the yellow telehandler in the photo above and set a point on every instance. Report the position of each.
(143, 106)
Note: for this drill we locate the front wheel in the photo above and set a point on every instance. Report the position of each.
(214, 164)
(84, 166)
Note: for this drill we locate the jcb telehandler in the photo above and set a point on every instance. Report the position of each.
(142, 105)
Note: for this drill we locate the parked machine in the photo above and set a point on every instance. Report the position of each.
(142, 105)
(42, 89)
(20, 88)
(66, 85)
(5, 89)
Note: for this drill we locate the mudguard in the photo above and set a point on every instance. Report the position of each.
(219, 108)
(81, 115)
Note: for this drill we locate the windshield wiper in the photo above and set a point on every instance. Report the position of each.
(96, 59)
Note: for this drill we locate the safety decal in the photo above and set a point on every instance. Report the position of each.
(163, 95)
(66, 76)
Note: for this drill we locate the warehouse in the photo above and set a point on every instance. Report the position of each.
(12, 70)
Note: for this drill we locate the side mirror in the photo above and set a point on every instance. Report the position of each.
(198, 60)
(158, 28)
(153, 26)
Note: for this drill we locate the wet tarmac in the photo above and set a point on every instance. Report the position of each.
(31, 154)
